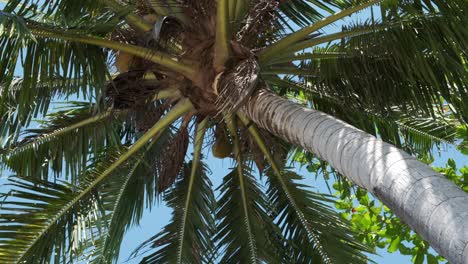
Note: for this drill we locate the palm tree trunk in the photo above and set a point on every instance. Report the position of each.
(429, 203)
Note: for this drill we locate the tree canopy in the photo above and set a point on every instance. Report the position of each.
(148, 82)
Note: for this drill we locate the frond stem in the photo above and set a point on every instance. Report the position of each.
(145, 53)
(197, 149)
(237, 153)
(280, 46)
(132, 19)
(89, 121)
(222, 35)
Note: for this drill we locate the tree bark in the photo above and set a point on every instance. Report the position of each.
(427, 201)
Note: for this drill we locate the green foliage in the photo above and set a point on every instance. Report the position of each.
(378, 227)
(44, 221)
(200, 225)
(87, 173)
(50, 68)
(64, 142)
(409, 76)
(313, 231)
(462, 134)
(232, 234)
(133, 191)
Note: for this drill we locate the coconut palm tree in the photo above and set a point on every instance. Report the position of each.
(255, 81)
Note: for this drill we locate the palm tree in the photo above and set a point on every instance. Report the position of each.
(239, 76)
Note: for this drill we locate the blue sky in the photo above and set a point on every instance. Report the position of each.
(156, 219)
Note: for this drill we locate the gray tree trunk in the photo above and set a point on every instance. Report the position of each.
(429, 203)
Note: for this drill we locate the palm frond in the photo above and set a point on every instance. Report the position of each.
(187, 229)
(223, 37)
(232, 235)
(64, 142)
(284, 43)
(246, 230)
(252, 245)
(71, 68)
(129, 193)
(134, 20)
(430, 65)
(45, 221)
(60, 11)
(190, 240)
(313, 230)
(35, 244)
(22, 105)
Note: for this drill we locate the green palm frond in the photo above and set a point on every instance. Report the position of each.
(192, 201)
(246, 229)
(35, 240)
(64, 142)
(133, 19)
(424, 74)
(74, 64)
(313, 230)
(284, 43)
(232, 236)
(430, 64)
(223, 35)
(19, 44)
(22, 105)
(304, 13)
(187, 229)
(129, 193)
(63, 10)
(43, 221)
(13, 26)
(251, 244)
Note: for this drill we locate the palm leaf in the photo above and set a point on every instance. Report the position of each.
(293, 38)
(243, 191)
(187, 238)
(70, 69)
(314, 231)
(63, 10)
(128, 194)
(246, 231)
(64, 142)
(430, 64)
(232, 235)
(22, 105)
(43, 221)
(34, 242)
(187, 229)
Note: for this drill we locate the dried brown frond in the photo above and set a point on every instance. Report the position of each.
(129, 90)
(203, 12)
(173, 161)
(236, 85)
(259, 28)
(147, 116)
(168, 35)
